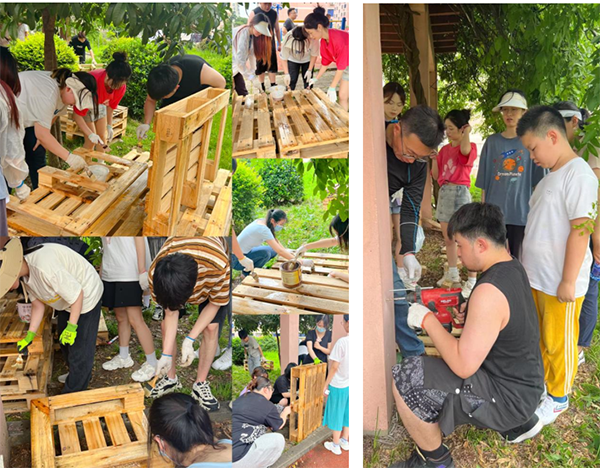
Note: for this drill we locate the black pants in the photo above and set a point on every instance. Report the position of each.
(240, 85)
(34, 159)
(80, 355)
(514, 236)
(297, 69)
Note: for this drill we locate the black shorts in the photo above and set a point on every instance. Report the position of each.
(262, 67)
(121, 294)
(219, 318)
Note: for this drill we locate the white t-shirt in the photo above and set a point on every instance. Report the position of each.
(119, 259)
(57, 275)
(341, 354)
(564, 195)
(39, 101)
(22, 31)
(288, 50)
(254, 235)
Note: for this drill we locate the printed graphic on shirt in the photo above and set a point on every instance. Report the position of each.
(251, 437)
(449, 169)
(509, 164)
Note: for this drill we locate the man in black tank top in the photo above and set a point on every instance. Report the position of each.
(492, 377)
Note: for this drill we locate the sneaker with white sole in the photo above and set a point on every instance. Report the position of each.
(467, 289)
(164, 386)
(526, 431)
(335, 449)
(449, 281)
(144, 373)
(224, 362)
(408, 284)
(344, 444)
(549, 410)
(118, 363)
(581, 358)
(158, 313)
(63, 378)
(202, 394)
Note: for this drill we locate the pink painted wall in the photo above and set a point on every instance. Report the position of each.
(337, 330)
(378, 316)
(4, 447)
(289, 331)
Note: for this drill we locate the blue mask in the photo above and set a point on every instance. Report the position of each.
(320, 329)
(278, 227)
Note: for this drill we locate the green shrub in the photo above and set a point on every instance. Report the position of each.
(142, 59)
(248, 191)
(283, 183)
(30, 53)
(268, 343)
(475, 191)
(237, 352)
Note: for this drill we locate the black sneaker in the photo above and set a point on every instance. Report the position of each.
(417, 460)
(526, 431)
(202, 394)
(164, 386)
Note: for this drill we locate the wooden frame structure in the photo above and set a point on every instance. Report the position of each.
(316, 295)
(71, 129)
(306, 387)
(325, 263)
(189, 194)
(102, 428)
(305, 124)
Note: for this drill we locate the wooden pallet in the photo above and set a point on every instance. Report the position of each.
(180, 177)
(306, 387)
(430, 349)
(71, 129)
(102, 428)
(13, 330)
(67, 203)
(325, 263)
(305, 124)
(87, 67)
(316, 295)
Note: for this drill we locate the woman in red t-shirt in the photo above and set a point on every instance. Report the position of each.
(453, 173)
(112, 84)
(334, 48)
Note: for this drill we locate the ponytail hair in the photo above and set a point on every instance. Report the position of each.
(262, 44)
(258, 383)
(571, 106)
(460, 118)
(340, 229)
(299, 40)
(316, 18)
(9, 83)
(275, 215)
(61, 75)
(119, 69)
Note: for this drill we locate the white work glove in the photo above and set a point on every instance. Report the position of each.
(263, 359)
(332, 94)
(247, 263)
(142, 131)
(95, 139)
(187, 352)
(412, 267)
(143, 279)
(111, 133)
(300, 251)
(312, 82)
(308, 75)
(308, 263)
(416, 315)
(164, 365)
(22, 192)
(286, 79)
(76, 162)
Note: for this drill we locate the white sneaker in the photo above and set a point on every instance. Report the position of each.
(117, 363)
(335, 449)
(224, 362)
(144, 373)
(467, 289)
(544, 395)
(549, 410)
(408, 284)
(448, 281)
(63, 378)
(345, 444)
(581, 358)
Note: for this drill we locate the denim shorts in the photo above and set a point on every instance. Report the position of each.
(91, 117)
(451, 198)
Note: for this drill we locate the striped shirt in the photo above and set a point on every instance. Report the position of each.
(213, 266)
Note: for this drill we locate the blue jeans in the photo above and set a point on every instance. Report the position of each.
(407, 340)
(259, 255)
(589, 315)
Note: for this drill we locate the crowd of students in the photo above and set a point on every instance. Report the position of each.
(529, 240)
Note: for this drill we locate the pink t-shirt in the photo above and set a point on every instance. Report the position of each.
(454, 167)
(111, 100)
(337, 50)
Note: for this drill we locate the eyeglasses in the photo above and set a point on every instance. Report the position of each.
(416, 157)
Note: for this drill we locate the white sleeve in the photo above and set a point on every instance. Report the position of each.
(339, 352)
(12, 151)
(581, 194)
(242, 55)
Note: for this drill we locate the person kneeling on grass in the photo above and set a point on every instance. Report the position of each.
(253, 414)
(337, 386)
(193, 270)
(493, 376)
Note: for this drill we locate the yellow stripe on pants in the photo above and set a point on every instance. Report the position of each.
(559, 333)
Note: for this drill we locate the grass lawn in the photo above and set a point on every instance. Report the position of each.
(241, 377)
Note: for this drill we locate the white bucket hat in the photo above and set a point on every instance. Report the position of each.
(511, 99)
(11, 259)
(83, 96)
(263, 28)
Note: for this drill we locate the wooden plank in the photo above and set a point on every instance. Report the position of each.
(304, 289)
(323, 261)
(116, 428)
(42, 440)
(48, 174)
(306, 279)
(139, 423)
(221, 214)
(94, 435)
(69, 439)
(246, 306)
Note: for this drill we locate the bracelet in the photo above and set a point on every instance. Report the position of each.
(167, 355)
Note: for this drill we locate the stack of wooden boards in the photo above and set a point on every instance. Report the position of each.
(22, 383)
(68, 203)
(98, 428)
(71, 129)
(430, 349)
(306, 387)
(316, 295)
(325, 263)
(188, 193)
(305, 124)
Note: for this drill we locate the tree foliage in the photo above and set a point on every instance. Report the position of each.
(30, 53)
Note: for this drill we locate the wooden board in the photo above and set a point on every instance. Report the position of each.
(325, 263)
(430, 349)
(71, 129)
(102, 428)
(305, 124)
(307, 400)
(316, 295)
(12, 329)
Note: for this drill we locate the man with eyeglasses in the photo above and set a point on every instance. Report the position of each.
(409, 145)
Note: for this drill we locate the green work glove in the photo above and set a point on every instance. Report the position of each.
(317, 361)
(21, 345)
(67, 337)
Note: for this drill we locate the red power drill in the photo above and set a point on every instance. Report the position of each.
(440, 301)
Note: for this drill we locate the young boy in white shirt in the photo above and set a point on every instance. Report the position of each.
(555, 249)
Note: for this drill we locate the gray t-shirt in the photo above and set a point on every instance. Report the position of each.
(508, 176)
(289, 24)
(252, 347)
(254, 235)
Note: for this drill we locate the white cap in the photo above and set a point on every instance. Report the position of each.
(511, 99)
(570, 113)
(263, 28)
(83, 96)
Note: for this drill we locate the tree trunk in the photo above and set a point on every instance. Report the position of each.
(50, 63)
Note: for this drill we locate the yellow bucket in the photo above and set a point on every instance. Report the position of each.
(291, 274)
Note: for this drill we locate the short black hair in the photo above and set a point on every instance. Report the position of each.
(288, 370)
(539, 120)
(174, 279)
(291, 10)
(243, 334)
(424, 122)
(394, 88)
(475, 220)
(460, 118)
(346, 317)
(162, 80)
